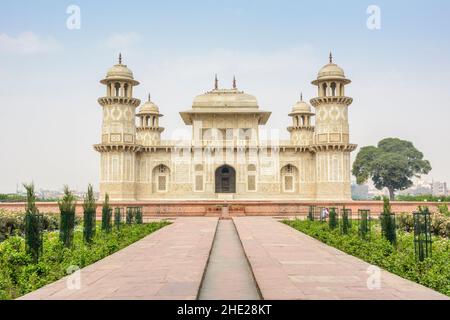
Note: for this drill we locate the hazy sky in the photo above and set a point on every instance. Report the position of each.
(49, 116)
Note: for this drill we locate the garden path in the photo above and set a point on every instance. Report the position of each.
(167, 264)
(288, 264)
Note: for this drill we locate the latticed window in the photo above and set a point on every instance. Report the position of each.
(289, 168)
(289, 183)
(251, 183)
(162, 169)
(199, 183)
(162, 183)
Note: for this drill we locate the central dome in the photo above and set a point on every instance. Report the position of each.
(225, 98)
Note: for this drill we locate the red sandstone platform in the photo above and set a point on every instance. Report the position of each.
(218, 208)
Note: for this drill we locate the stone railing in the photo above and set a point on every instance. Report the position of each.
(223, 143)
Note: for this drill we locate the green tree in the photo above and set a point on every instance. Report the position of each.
(333, 220)
(130, 215)
(346, 223)
(138, 217)
(33, 225)
(118, 217)
(311, 213)
(106, 215)
(67, 209)
(89, 215)
(390, 165)
(387, 220)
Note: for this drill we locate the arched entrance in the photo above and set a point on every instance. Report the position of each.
(225, 179)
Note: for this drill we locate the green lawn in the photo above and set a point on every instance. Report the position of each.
(434, 272)
(19, 275)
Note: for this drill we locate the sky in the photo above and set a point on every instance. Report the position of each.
(51, 62)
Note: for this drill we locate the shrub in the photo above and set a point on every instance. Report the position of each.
(405, 222)
(440, 225)
(11, 223)
(443, 209)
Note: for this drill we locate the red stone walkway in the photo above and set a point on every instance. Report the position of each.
(167, 264)
(287, 264)
(170, 264)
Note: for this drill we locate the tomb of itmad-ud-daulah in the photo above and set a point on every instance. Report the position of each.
(224, 158)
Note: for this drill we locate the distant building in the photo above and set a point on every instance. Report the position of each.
(439, 189)
(360, 192)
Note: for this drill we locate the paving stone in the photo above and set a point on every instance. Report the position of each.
(288, 264)
(156, 267)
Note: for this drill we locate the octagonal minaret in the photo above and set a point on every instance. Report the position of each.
(118, 145)
(331, 134)
(302, 129)
(148, 129)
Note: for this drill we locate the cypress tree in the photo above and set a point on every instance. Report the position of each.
(387, 220)
(138, 217)
(345, 220)
(130, 215)
(89, 215)
(67, 222)
(33, 225)
(106, 215)
(364, 223)
(422, 234)
(311, 213)
(333, 220)
(118, 217)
